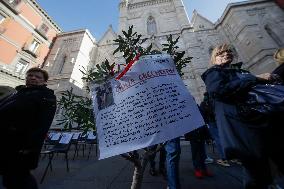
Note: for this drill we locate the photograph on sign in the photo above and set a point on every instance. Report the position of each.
(104, 96)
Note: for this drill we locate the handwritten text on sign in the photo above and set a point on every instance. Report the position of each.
(147, 106)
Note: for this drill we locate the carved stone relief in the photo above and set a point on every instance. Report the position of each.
(135, 15)
(166, 9)
(255, 11)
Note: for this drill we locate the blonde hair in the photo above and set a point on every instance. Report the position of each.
(279, 56)
(218, 50)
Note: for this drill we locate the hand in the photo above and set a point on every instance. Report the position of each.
(265, 76)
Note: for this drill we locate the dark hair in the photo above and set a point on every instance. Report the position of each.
(44, 73)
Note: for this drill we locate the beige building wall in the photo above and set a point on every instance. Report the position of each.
(69, 54)
(26, 33)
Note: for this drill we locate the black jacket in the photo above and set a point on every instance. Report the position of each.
(280, 71)
(207, 111)
(227, 86)
(25, 120)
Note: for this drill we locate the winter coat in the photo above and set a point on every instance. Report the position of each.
(207, 111)
(279, 71)
(25, 120)
(5, 92)
(239, 138)
(199, 134)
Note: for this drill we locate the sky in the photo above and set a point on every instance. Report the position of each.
(97, 15)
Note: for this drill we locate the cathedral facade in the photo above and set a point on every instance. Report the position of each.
(254, 28)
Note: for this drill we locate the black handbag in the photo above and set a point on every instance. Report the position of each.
(264, 99)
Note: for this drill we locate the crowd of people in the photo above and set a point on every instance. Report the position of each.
(27, 112)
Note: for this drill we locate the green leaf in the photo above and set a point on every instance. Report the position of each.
(125, 34)
(116, 50)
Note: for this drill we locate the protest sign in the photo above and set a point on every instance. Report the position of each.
(148, 105)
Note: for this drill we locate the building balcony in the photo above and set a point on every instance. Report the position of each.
(12, 5)
(11, 73)
(41, 33)
(35, 55)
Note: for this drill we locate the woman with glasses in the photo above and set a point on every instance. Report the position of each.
(243, 139)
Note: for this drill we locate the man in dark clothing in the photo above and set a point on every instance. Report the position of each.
(25, 120)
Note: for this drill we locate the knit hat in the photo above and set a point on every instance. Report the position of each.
(279, 56)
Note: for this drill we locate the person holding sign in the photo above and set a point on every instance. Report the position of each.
(25, 120)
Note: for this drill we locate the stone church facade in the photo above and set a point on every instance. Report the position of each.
(254, 28)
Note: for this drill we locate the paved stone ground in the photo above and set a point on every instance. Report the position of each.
(116, 173)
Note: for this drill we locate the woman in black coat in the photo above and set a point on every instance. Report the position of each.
(243, 139)
(25, 120)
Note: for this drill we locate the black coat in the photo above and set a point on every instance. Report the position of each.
(280, 71)
(239, 138)
(207, 111)
(25, 120)
(199, 134)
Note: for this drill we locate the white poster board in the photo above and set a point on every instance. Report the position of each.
(148, 105)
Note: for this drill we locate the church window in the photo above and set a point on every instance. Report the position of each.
(62, 64)
(151, 26)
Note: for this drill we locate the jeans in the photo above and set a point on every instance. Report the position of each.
(173, 150)
(215, 135)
